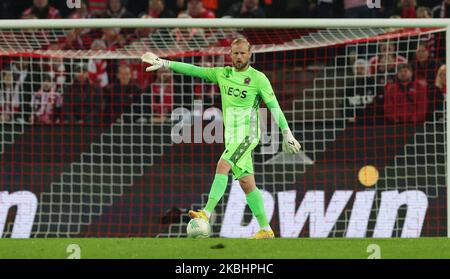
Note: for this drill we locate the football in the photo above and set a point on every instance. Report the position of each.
(198, 228)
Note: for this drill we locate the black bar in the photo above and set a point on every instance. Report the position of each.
(226, 268)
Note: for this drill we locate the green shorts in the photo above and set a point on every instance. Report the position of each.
(239, 155)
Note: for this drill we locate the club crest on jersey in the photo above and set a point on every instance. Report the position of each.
(247, 81)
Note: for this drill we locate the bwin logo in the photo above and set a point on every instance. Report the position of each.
(74, 4)
(373, 4)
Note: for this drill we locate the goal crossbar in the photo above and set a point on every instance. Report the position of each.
(221, 23)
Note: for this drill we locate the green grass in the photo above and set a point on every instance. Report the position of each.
(179, 248)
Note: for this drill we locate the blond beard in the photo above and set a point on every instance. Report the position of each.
(240, 68)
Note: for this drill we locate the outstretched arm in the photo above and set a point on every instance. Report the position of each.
(178, 67)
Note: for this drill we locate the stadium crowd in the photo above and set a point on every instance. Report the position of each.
(391, 88)
(10, 9)
(50, 90)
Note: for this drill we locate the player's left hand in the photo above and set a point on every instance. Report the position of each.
(290, 144)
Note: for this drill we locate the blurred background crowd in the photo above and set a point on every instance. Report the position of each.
(51, 90)
(13, 9)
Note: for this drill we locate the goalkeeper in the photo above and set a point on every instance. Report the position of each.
(242, 88)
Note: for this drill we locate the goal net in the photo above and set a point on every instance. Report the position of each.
(93, 146)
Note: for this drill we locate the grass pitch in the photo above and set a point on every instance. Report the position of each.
(180, 248)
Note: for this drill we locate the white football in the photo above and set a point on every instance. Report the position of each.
(198, 228)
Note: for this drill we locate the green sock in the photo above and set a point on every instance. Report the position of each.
(256, 203)
(218, 188)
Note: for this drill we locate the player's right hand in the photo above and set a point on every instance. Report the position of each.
(290, 144)
(155, 61)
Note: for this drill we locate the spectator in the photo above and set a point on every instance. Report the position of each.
(161, 92)
(133, 39)
(441, 79)
(117, 9)
(212, 5)
(357, 9)
(246, 9)
(124, 96)
(425, 67)
(407, 8)
(157, 9)
(9, 97)
(361, 91)
(176, 6)
(73, 40)
(405, 99)
(97, 8)
(57, 70)
(438, 41)
(56, 67)
(442, 10)
(44, 102)
(386, 70)
(97, 68)
(388, 51)
(350, 61)
(81, 98)
(27, 78)
(195, 9)
(187, 38)
(41, 10)
(423, 12)
(82, 12)
(113, 38)
(436, 97)
(430, 39)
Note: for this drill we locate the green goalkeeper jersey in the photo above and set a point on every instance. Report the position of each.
(241, 94)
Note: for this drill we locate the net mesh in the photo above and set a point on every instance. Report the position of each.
(91, 134)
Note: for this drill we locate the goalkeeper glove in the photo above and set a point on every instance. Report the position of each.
(290, 144)
(155, 61)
